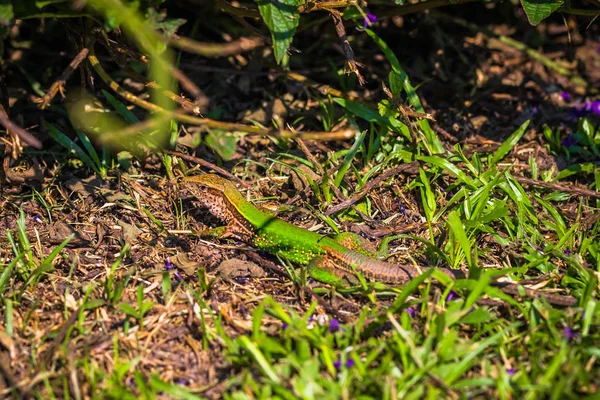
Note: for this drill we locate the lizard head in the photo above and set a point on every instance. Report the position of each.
(213, 184)
(211, 181)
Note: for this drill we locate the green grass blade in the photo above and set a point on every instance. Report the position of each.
(73, 148)
(509, 143)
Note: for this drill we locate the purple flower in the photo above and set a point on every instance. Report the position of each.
(349, 363)
(37, 219)
(511, 371)
(569, 333)
(402, 209)
(412, 311)
(284, 326)
(334, 325)
(168, 264)
(178, 276)
(565, 96)
(451, 296)
(534, 110)
(586, 108)
(567, 252)
(569, 141)
(370, 19)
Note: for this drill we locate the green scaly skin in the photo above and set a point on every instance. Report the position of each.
(331, 260)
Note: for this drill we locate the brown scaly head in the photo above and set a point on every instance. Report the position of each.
(222, 200)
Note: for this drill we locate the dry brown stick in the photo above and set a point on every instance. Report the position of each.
(20, 132)
(185, 104)
(353, 65)
(560, 188)
(200, 99)
(310, 156)
(234, 47)
(343, 134)
(186, 83)
(321, 88)
(368, 187)
(238, 11)
(60, 82)
(207, 164)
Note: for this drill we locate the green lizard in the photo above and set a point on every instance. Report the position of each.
(331, 260)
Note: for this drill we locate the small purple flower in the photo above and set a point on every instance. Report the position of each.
(334, 325)
(511, 371)
(412, 311)
(451, 296)
(310, 319)
(168, 264)
(284, 326)
(534, 110)
(565, 96)
(349, 363)
(178, 276)
(586, 108)
(181, 381)
(370, 19)
(569, 333)
(569, 141)
(402, 209)
(37, 219)
(567, 252)
(542, 246)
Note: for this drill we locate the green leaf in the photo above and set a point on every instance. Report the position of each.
(128, 309)
(538, 10)
(387, 109)
(6, 14)
(401, 81)
(67, 143)
(371, 115)
(282, 17)
(509, 143)
(224, 143)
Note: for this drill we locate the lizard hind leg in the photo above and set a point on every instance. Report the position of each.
(324, 270)
(222, 232)
(357, 243)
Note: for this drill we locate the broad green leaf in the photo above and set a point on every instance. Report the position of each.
(387, 109)
(6, 14)
(128, 309)
(281, 17)
(223, 143)
(538, 10)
